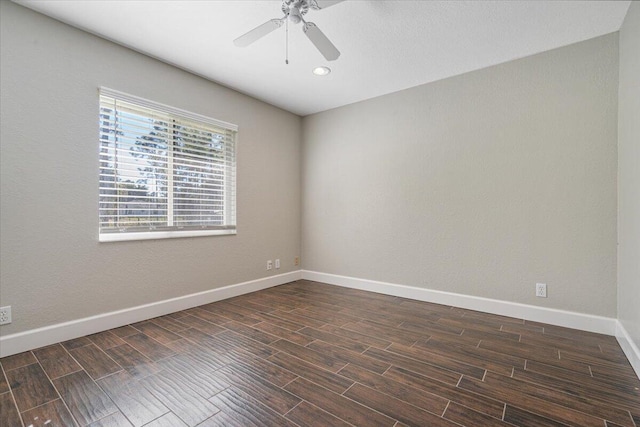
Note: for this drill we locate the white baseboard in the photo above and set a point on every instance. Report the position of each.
(35, 338)
(630, 349)
(569, 319)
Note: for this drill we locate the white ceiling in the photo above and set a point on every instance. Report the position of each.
(386, 46)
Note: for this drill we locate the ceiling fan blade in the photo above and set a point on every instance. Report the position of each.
(258, 32)
(323, 4)
(321, 42)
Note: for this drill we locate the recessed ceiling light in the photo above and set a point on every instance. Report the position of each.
(321, 71)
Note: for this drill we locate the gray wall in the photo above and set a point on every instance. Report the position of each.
(629, 175)
(53, 268)
(481, 184)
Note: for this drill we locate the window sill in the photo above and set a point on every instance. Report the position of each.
(154, 235)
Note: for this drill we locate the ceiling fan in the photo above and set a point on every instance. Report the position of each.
(294, 10)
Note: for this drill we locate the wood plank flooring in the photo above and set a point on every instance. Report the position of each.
(311, 354)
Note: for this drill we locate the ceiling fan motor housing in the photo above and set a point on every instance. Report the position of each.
(295, 9)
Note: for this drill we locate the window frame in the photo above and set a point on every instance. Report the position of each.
(178, 117)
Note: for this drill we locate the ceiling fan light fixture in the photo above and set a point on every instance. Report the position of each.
(294, 15)
(321, 71)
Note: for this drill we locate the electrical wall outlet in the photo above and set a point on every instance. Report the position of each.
(277, 263)
(269, 265)
(296, 261)
(541, 290)
(5, 315)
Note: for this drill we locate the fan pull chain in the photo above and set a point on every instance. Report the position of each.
(286, 61)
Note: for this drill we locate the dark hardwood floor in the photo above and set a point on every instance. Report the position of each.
(310, 354)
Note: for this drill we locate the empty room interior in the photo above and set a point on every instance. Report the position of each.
(319, 213)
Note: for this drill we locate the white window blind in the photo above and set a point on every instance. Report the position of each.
(164, 172)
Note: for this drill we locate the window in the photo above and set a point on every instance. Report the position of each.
(164, 172)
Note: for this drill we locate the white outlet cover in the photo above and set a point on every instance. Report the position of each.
(541, 290)
(5, 315)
